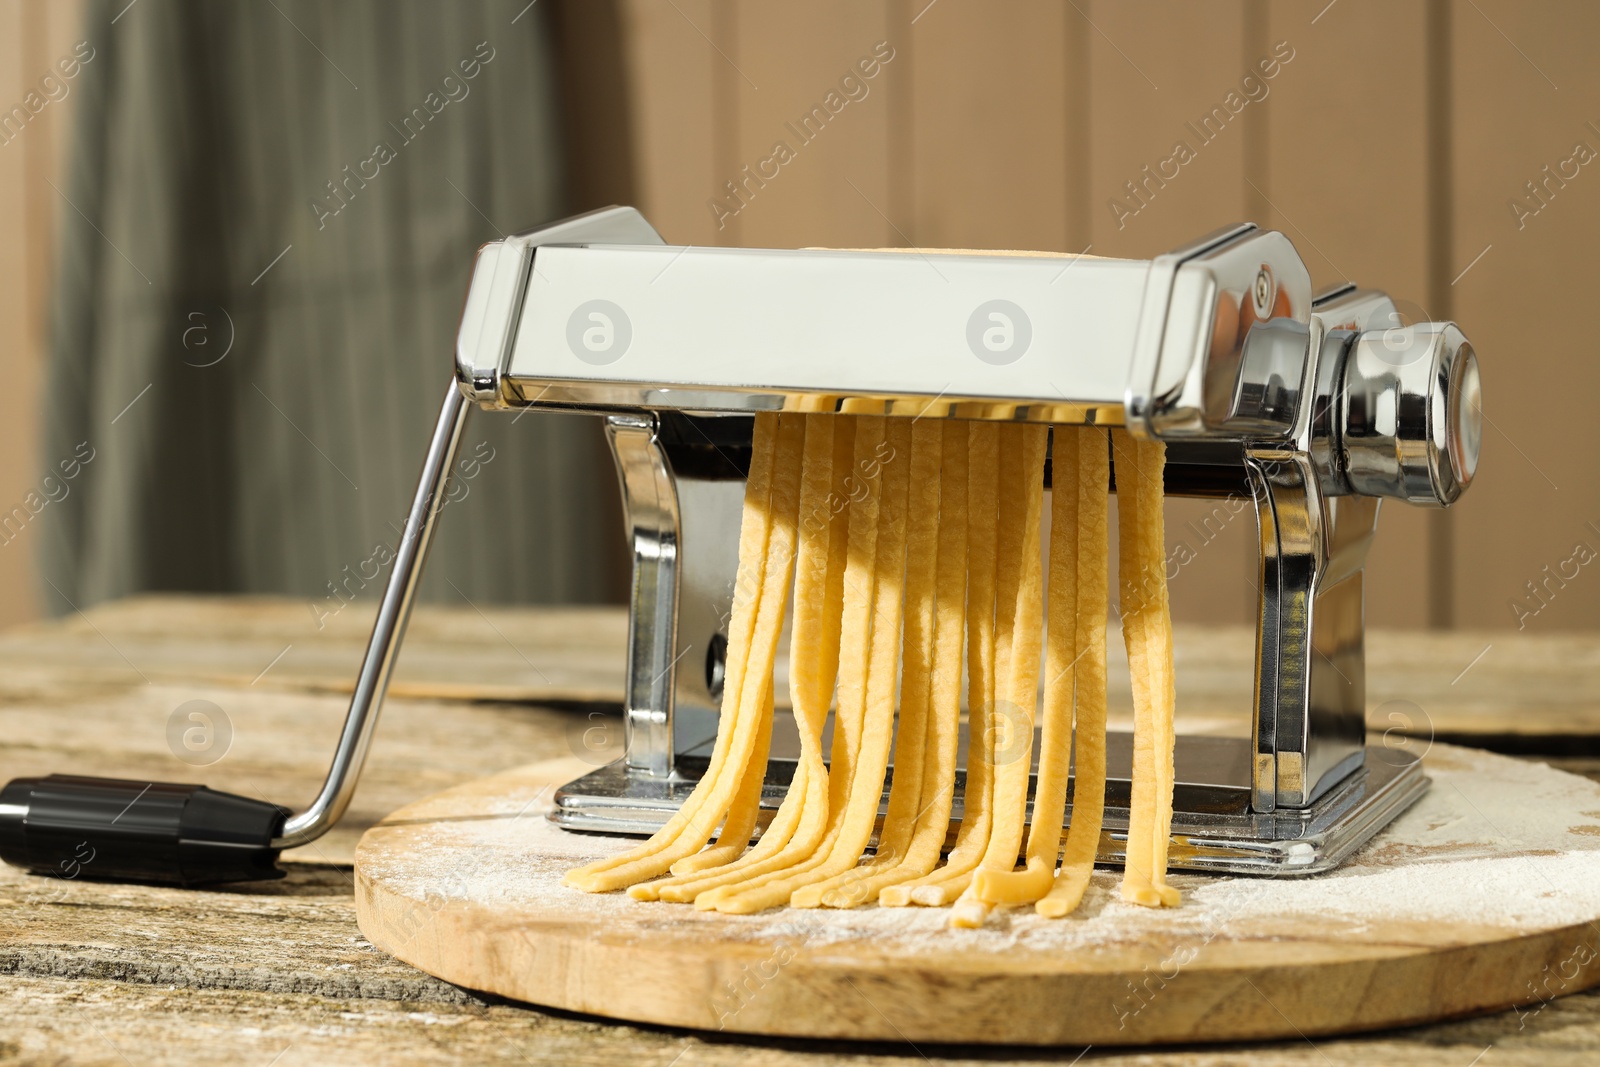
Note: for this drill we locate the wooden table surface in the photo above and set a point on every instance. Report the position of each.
(277, 973)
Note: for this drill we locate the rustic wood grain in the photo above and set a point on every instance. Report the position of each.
(266, 643)
(70, 703)
(96, 1022)
(200, 992)
(226, 938)
(466, 885)
(1461, 684)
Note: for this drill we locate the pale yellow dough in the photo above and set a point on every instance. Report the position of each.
(866, 681)
(911, 736)
(1147, 631)
(983, 509)
(937, 793)
(1002, 886)
(813, 665)
(908, 541)
(1019, 621)
(1089, 733)
(760, 599)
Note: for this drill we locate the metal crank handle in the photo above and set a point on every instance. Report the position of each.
(121, 830)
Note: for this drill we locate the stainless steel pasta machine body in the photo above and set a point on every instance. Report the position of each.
(1312, 408)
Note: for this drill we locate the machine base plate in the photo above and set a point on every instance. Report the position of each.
(1213, 828)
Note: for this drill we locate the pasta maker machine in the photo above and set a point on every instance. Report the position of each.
(1313, 408)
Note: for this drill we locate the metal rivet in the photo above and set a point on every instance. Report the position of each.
(1263, 292)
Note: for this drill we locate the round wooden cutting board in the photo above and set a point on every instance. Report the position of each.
(1481, 897)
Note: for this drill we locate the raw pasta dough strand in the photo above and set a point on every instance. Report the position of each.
(671, 843)
(1020, 607)
(755, 532)
(813, 660)
(1142, 581)
(983, 508)
(1089, 735)
(863, 486)
(876, 684)
(730, 846)
(853, 539)
(690, 877)
(1055, 750)
(944, 698)
(754, 538)
(741, 821)
(910, 740)
(733, 840)
(1163, 690)
(1137, 884)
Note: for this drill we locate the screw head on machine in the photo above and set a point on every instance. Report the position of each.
(1263, 292)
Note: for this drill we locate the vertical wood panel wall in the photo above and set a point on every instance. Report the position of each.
(33, 36)
(1393, 148)
(1386, 143)
(1526, 97)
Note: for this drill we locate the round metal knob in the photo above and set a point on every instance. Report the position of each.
(1412, 413)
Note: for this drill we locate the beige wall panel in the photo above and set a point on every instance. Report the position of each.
(1017, 123)
(1358, 77)
(1154, 68)
(17, 407)
(33, 35)
(1526, 87)
(990, 124)
(55, 29)
(834, 189)
(673, 80)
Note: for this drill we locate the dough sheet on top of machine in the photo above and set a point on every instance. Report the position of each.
(910, 548)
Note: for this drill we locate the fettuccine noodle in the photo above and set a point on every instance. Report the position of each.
(907, 542)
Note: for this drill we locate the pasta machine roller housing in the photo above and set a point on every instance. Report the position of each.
(1311, 408)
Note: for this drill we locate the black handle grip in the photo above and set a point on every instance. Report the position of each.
(111, 829)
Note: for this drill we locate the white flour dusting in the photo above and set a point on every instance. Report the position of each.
(1497, 844)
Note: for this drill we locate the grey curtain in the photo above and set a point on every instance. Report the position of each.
(273, 209)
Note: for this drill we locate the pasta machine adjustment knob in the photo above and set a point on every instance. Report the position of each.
(1411, 413)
